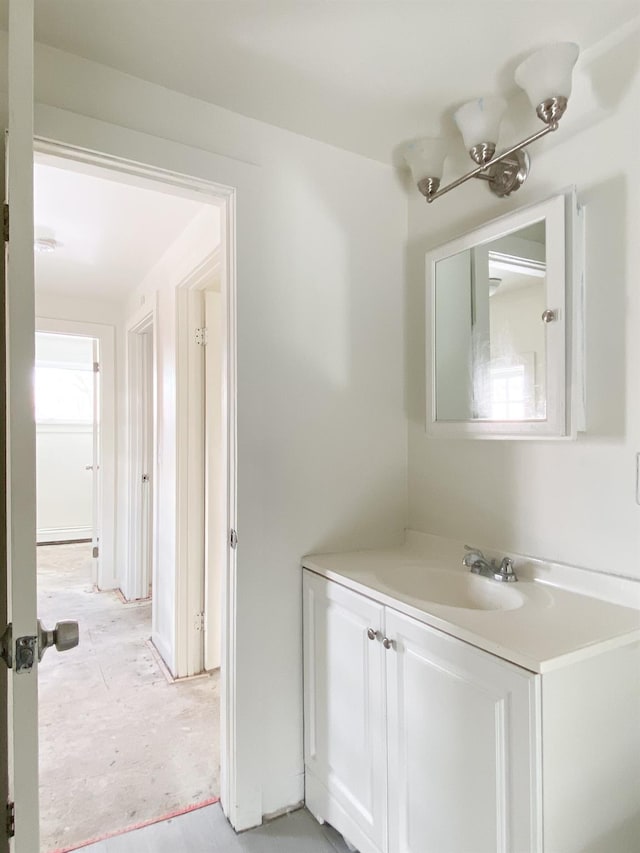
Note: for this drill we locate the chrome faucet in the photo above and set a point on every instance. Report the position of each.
(479, 565)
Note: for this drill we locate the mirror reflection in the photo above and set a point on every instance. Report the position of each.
(490, 347)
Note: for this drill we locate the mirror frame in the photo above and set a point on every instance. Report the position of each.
(564, 336)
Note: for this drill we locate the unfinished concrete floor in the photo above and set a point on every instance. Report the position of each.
(119, 744)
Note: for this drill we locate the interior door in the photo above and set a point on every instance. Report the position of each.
(147, 405)
(20, 436)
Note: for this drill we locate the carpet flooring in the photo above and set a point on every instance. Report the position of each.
(119, 744)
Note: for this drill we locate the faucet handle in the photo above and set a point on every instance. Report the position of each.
(472, 557)
(473, 550)
(506, 569)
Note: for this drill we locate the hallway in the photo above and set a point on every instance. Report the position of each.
(119, 743)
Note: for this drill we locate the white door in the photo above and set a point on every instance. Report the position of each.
(21, 473)
(345, 736)
(462, 763)
(146, 475)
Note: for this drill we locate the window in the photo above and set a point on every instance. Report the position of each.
(508, 390)
(63, 395)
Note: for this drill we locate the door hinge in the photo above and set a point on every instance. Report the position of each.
(233, 539)
(199, 622)
(5, 222)
(11, 820)
(201, 337)
(96, 367)
(96, 552)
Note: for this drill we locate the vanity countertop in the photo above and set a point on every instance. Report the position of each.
(538, 625)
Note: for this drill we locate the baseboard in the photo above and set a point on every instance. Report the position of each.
(60, 535)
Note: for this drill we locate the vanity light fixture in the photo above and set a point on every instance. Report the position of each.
(546, 78)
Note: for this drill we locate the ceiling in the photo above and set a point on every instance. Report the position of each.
(110, 233)
(360, 74)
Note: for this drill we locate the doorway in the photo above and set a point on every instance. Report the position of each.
(134, 710)
(67, 438)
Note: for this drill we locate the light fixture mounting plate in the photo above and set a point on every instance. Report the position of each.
(509, 175)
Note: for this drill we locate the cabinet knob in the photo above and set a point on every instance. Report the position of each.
(372, 633)
(387, 643)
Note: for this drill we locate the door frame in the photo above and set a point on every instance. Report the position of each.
(225, 197)
(107, 576)
(193, 522)
(135, 585)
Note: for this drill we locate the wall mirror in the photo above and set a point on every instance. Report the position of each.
(503, 327)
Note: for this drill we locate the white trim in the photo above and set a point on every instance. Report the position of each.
(63, 534)
(189, 591)
(107, 573)
(239, 794)
(232, 784)
(194, 520)
(215, 451)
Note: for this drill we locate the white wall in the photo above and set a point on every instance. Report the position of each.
(569, 501)
(321, 427)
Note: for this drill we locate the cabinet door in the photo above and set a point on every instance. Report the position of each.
(462, 729)
(345, 726)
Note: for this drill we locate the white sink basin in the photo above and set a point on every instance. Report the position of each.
(453, 589)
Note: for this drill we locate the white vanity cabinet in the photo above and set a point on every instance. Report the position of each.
(461, 727)
(345, 721)
(415, 742)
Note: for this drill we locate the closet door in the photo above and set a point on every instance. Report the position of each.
(462, 729)
(345, 725)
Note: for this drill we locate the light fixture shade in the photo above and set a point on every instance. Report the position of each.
(479, 120)
(425, 157)
(547, 72)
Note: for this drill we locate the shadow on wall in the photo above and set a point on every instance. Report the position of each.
(606, 275)
(341, 364)
(612, 72)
